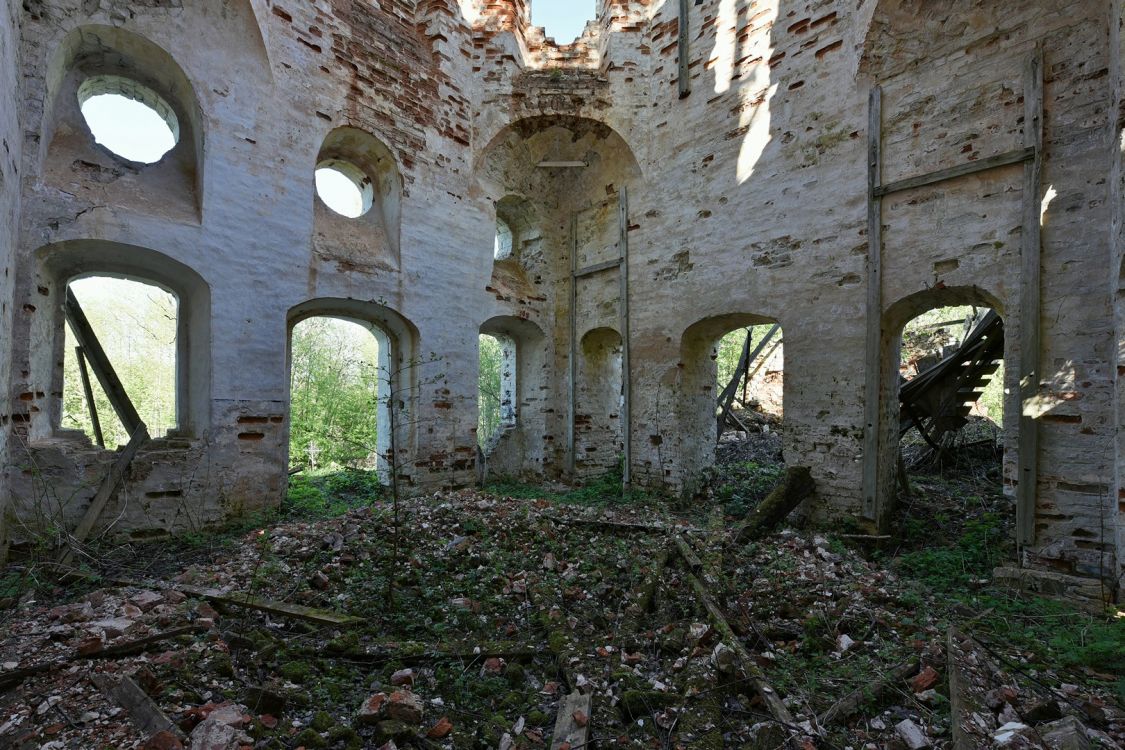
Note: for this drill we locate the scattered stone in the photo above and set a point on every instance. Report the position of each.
(924, 680)
(163, 741)
(264, 701)
(146, 600)
(115, 627)
(1065, 734)
(372, 709)
(404, 706)
(319, 581)
(912, 735)
(403, 677)
(440, 730)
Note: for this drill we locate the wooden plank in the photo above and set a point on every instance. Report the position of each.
(1006, 159)
(569, 732)
(683, 77)
(626, 369)
(103, 368)
(588, 270)
(1027, 468)
(105, 491)
(249, 601)
(572, 384)
(754, 675)
(142, 710)
(88, 391)
(873, 363)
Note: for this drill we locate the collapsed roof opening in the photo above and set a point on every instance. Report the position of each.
(563, 20)
(130, 120)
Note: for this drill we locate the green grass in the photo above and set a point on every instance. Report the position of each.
(604, 492)
(745, 485)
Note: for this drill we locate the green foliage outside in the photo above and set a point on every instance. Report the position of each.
(489, 389)
(327, 494)
(334, 392)
(136, 326)
(729, 350)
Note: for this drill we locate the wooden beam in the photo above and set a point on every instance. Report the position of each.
(1027, 468)
(572, 727)
(142, 710)
(754, 675)
(249, 601)
(589, 270)
(572, 384)
(88, 390)
(1006, 159)
(105, 491)
(683, 77)
(103, 369)
(626, 370)
(873, 365)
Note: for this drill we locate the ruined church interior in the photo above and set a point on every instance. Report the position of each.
(555, 373)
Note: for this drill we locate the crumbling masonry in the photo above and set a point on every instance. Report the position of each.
(664, 179)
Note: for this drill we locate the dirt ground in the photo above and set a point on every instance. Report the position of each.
(474, 620)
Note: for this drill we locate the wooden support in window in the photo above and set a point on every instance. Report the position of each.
(572, 385)
(873, 364)
(103, 369)
(726, 398)
(626, 374)
(684, 75)
(1027, 469)
(88, 390)
(105, 492)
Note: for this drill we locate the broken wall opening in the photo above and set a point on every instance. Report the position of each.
(949, 419)
(731, 408)
(512, 420)
(598, 404)
(339, 393)
(137, 324)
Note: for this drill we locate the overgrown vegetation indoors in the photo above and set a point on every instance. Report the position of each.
(499, 602)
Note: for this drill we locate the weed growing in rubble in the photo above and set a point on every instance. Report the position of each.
(972, 557)
(604, 492)
(744, 485)
(328, 494)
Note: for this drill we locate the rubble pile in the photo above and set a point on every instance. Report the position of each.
(472, 626)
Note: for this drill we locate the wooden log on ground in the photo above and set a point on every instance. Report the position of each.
(754, 675)
(284, 609)
(795, 488)
(851, 703)
(142, 710)
(572, 727)
(688, 554)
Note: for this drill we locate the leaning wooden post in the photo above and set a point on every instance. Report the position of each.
(89, 391)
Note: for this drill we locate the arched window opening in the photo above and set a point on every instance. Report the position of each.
(504, 241)
(951, 390)
(338, 395)
(599, 404)
(563, 20)
(748, 406)
(136, 324)
(344, 188)
(497, 388)
(130, 120)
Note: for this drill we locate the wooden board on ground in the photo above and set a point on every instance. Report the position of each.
(143, 712)
(572, 728)
(318, 616)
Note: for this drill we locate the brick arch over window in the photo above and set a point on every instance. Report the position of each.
(399, 370)
(72, 160)
(62, 262)
(895, 318)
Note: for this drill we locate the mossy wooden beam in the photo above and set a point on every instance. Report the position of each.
(795, 487)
